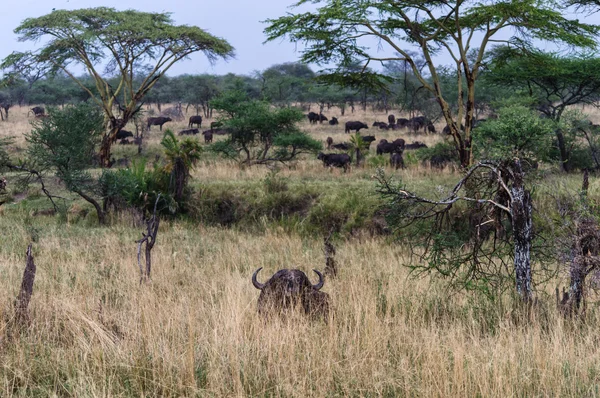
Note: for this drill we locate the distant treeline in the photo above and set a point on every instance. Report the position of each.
(282, 85)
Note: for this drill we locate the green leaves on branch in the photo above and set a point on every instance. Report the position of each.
(518, 132)
(261, 134)
(137, 47)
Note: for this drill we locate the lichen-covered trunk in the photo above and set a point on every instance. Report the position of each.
(577, 274)
(522, 225)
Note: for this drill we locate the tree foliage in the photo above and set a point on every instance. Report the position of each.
(64, 144)
(553, 82)
(107, 42)
(259, 133)
(336, 32)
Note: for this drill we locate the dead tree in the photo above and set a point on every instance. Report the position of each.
(149, 238)
(22, 301)
(329, 250)
(497, 187)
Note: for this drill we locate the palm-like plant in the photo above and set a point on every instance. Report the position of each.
(181, 158)
(358, 146)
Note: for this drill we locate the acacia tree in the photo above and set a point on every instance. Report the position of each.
(259, 133)
(335, 34)
(552, 81)
(107, 42)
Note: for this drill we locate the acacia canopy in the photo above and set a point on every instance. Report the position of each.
(336, 32)
(136, 47)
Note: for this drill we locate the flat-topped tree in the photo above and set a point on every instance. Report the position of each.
(338, 32)
(134, 46)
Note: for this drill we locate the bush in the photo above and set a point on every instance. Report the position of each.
(439, 155)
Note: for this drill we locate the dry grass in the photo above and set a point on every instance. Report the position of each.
(194, 330)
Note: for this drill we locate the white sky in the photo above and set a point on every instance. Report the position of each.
(237, 21)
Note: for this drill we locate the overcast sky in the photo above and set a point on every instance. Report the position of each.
(237, 21)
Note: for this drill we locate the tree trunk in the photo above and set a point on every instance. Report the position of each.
(99, 210)
(562, 148)
(521, 209)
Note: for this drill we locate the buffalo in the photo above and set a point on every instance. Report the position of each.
(288, 289)
(368, 139)
(341, 160)
(122, 134)
(334, 121)
(158, 121)
(343, 146)
(431, 128)
(391, 119)
(446, 130)
(189, 132)
(195, 120)
(208, 136)
(417, 123)
(415, 145)
(314, 117)
(329, 142)
(402, 123)
(396, 160)
(355, 126)
(390, 147)
(381, 125)
(37, 110)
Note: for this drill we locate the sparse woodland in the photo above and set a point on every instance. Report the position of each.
(462, 260)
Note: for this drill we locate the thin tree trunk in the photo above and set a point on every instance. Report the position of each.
(562, 148)
(522, 224)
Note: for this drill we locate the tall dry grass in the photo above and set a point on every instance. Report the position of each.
(194, 331)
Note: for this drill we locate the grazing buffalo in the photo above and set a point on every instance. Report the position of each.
(401, 123)
(396, 160)
(334, 121)
(314, 117)
(355, 126)
(158, 121)
(391, 119)
(189, 132)
(368, 139)
(288, 289)
(341, 160)
(344, 146)
(122, 134)
(390, 147)
(37, 110)
(415, 145)
(431, 128)
(446, 130)
(208, 136)
(417, 123)
(218, 131)
(381, 125)
(329, 142)
(195, 120)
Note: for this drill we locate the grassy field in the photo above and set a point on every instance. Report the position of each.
(194, 331)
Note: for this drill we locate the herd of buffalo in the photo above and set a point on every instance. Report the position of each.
(341, 160)
(291, 288)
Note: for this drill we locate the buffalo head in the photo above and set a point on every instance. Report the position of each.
(289, 288)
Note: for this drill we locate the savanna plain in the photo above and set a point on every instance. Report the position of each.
(95, 331)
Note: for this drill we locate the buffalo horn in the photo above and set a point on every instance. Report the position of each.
(255, 282)
(319, 285)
